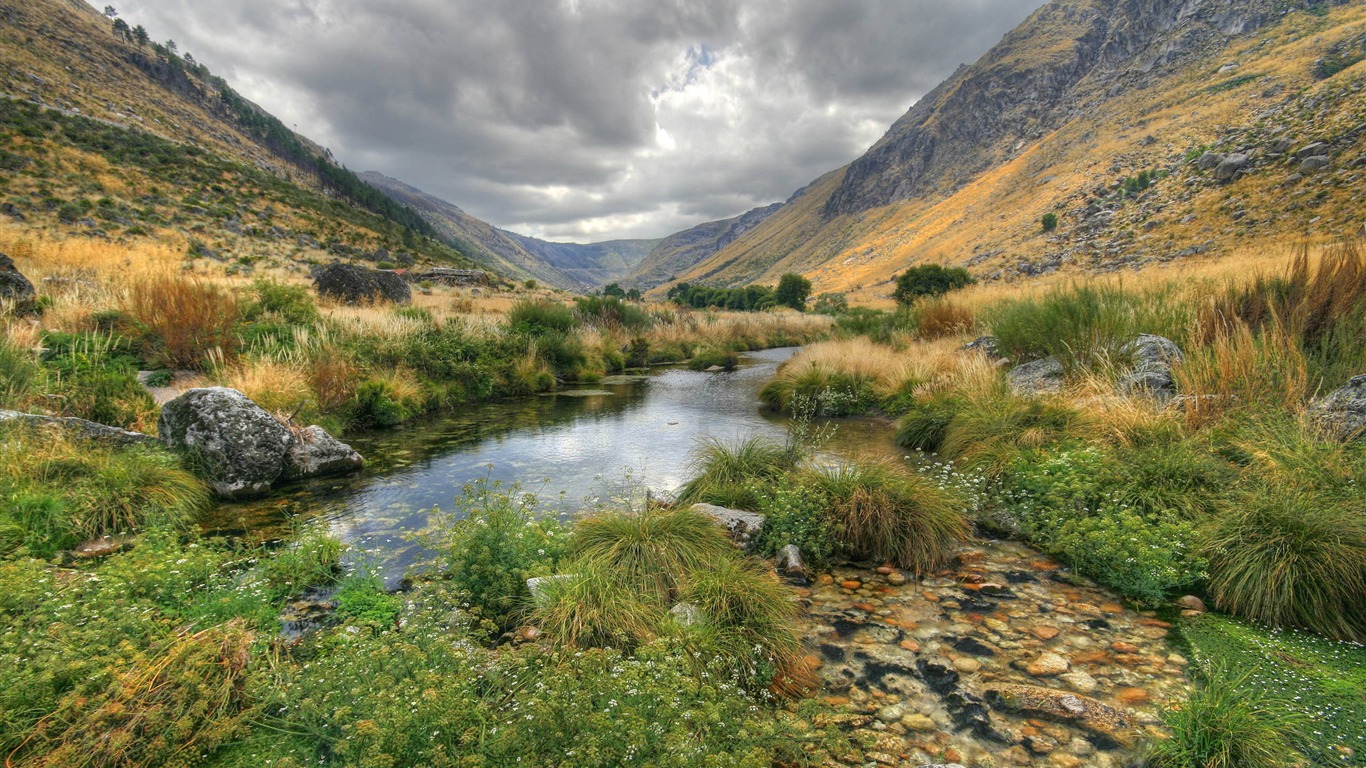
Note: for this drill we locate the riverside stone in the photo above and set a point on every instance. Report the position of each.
(1048, 665)
(1098, 718)
(743, 526)
(80, 428)
(1038, 377)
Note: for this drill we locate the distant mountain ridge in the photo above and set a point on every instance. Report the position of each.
(1097, 111)
(680, 251)
(570, 266)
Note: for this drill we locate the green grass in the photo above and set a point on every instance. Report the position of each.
(653, 551)
(724, 474)
(991, 427)
(816, 390)
(884, 514)
(1319, 680)
(1226, 724)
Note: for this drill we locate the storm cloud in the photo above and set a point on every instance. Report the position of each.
(587, 120)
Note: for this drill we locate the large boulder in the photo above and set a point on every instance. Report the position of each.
(360, 285)
(15, 289)
(80, 428)
(1232, 165)
(1342, 413)
(240, 449)
(1037, 378)
(1153, 357)
(314, 453)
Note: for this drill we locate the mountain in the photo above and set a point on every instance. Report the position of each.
(1155, 130)
(110, 135)
(561, 265)
(680, 251)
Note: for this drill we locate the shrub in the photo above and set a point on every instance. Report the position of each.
(314, 560)
(292, 304)
(815, 389)
(1291, 557)
(375, 406)
(493, 548)
(1049, 221)
(712, 357)
(1227, 724)
(189, 322)
(831, 304)
(993, 425)
(937, 318)
(747, 618)
(883, 514)
(792, 291)
(612, 312)
(96, 377)
(363, 601)
(653, 550)
(18, 374)
(725, 474)
(538, 317)
(795, 514)
(929, 280)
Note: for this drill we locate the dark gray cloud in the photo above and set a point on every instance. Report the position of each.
(588, 119)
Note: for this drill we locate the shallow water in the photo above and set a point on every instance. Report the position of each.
(621, 436)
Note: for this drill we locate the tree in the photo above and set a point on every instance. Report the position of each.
(172, 47)
(792, 291)
(633, 295)
(110, 12)
(929, 280)
(140, 36)
(121, 30)
(1050, 222)
(614, 289)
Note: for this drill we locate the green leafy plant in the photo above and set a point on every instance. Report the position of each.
(929, 280)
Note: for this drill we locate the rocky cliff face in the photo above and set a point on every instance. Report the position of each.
(680, 251)
(1064, 60)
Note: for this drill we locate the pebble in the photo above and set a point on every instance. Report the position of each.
(966, 665)
(1048, 665)
(851, 584)
(1132, 695)
(1080, 682)
(1177, 659)
(891, 713)
(919, 722)
(1119, 646)
(896, 578)
(1044, 632)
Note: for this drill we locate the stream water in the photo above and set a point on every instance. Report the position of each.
(1003, 659)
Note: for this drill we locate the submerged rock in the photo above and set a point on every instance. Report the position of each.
(1099, 719)
(314, 453)
(1037, 378)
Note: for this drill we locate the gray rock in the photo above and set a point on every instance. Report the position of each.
(1342, 413)
(987, 345)
(1037, 378)
(1153, 357)
(1314, 164)
(538, 586)
(1209, 161)
(686, 614)
(790, 561)
(1315, 149)
(1230, 167)
(743, 526)
(15, 289)
(360, 285)
(86, 430)
(240, 449)
(314, 453)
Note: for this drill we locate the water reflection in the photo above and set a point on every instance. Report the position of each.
(626, 433)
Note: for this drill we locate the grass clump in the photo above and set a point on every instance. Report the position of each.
(885, 514)
(818, 390)
(1224, 724)
(726, 474)
(188, 322)
(1292, 558)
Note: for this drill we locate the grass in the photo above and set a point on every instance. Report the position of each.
(886, 515)
(191, 322)
(1225, 725)
(726, 474)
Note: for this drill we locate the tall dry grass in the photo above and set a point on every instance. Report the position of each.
(194, 321)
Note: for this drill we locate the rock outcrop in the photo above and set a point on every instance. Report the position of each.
(240, 449)
(1153, 357)
(1039, 377)
(15, 289)
(85, 430)
(1342, 413)
(743, 526)
(360, 285)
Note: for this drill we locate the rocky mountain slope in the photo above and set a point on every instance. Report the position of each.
(680, 251)
(1101, 112)
(561, 265)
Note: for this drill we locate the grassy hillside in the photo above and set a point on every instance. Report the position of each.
(1266, 94)
(109, 138)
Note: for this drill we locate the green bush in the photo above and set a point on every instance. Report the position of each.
(795, 514)
(313, 560)
(1292, 557)
(925, 425)
(831, 304)
(292, 304)
(929, 280)
(992, 427)
(711, 357)
(792, 291)
(612, 312)
(494, 544)
(363, 601)
(374, 406)
(1050, 222)
(883, 514)
(538, 317)
(819, 391)
(18, 375)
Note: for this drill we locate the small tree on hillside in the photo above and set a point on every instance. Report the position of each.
(614, 289)
(929, 280)
(140, 36)
(792, 291)
(1050, 222)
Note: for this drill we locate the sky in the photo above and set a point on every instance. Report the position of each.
(587, 120)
